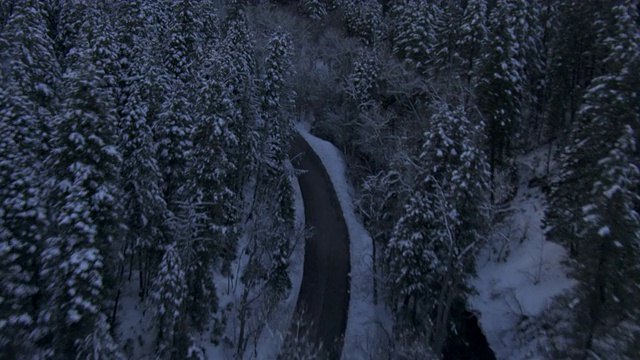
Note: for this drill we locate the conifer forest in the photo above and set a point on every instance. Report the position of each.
(149, 198)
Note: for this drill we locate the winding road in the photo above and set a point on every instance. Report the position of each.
(323, 300)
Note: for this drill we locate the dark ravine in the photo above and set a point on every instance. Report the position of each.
(469, 343)
(323, 300)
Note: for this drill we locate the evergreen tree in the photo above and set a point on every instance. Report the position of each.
(501, 84)
(276, 98)
(363, 19)
(472, 33)
(413, 34)
(432, 249)
(144, 206)
(145, 209)
(85, 214)
(22, 223)
(173, 135)
(32, 63)
(26, 101)
(168, 294)
(241, 75)
(445, 59)
(213, 206)
(182, 51)
(603, 229)
(575, 53)
(276, 102)
(313, 9)
(364, 81)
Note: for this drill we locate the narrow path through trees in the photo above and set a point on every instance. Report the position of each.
(323, 301)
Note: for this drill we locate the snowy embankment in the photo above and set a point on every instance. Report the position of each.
(364, 319)
(273, 336)
(137, 331)
(268, 343)
(520, 271)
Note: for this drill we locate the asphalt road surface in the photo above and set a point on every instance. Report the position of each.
(323, 301)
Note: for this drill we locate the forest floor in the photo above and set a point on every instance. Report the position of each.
(323, 301)
(520, 272)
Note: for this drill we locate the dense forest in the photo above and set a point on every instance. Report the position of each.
(144, 145)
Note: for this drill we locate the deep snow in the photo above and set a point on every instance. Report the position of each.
(519, 271)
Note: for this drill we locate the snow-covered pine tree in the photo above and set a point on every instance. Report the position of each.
(176, 118)
(575, 53)
(242, 77)
(471, 35)
(182, 51)
(364, 80)
(145, 209)
(32, 62)
(363, 20)
(431, 253)
(22, 224)
(529, 32)
(214, 200)
(501, 84)
(277, 99)
(313, 9)
(445, 59)
(173, 136)
(82, 197)
(276, 102)
(603, 229)
(29, 79)
(169, 297)
(413, 33)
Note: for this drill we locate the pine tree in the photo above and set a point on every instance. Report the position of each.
(32, 62)
(501, 84)
(472, 32)
(603, 229)
(213, 174)
(276, 102)
(85, 225)
(144, 206)
(432, 249)
(22, 222)
(575, 52)
(168, 294)
(363, 82)
(182, 51)
(276, 98)
(26, 101)
(242, 77)
(173, 135)
(445, 59)
(313, 9)
(413, 35)
(363, 19)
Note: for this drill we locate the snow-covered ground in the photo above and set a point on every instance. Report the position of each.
(365, 321)
(268, 343)
(137, 332)
(519, 271)
(272, 336)
(134, 330)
